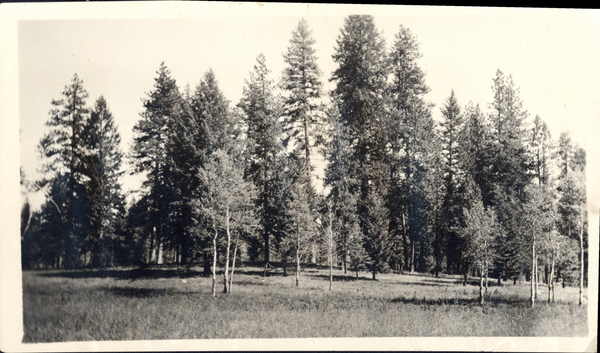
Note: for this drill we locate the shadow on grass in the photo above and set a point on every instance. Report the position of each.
(489, 301)
(341, 278)
(127, 274)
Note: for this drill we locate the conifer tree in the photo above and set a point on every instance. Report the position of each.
(452, 128)
(341, 198)
(411, 149)
(151, 155)
(361, 92)
(62, 150)
(103, 168)
(302, 87)
(303, 123)
(510, 170)
(261, 113)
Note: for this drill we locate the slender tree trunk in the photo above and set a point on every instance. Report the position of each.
(297, 259)
(581, 273)
(481, 290)
(466, 274)
(235, 248)
(346, 255)
(486, 271)
(226, 272)
(330, 250)
(537, 278)
(214, 265)
(532, 279)
(412, 256)
(551, 281)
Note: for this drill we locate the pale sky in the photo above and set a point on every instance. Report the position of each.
(553, 56)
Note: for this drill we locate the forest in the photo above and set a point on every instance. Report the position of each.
(482, 192)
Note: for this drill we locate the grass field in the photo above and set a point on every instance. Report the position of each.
(172, 303)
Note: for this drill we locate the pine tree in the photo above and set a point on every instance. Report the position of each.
(452, 128)
(510, 170)
(542, 149)
(341, 198)
(302, 87)
(62, 150)
(412, 151)
(203, 125)
(151, 155)
(361, 92)
(303, 121)
(103, 168)
(261, 113)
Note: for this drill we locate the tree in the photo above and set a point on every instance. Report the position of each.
(303, 117)
(341, 198)
(510, 171)
(537, 218)
(204, 125)
(480, 232)
(261, 113)
(62, 150)
(103, 167)
(302, 85)
(360, 92)
(451, 135)
(151, 155)
(541, 150)
(412, 152)
(226, 200)
(572, 204)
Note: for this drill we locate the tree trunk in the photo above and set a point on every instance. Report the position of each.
(159, 260)
(581, 273)
(214, 265)
(412, 256)
(466, 274)
(233, 263)
(330, 250)
(551, 281)
(226, 272)
(346, 261)
(532, 279)
(481, 290)
(297, 259)
(537, 278)
(486, 273)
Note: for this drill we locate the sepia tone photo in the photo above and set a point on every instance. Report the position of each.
(245, 176)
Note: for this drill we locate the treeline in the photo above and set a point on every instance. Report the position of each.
(482, 193)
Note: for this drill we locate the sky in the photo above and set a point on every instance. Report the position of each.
(553, 56)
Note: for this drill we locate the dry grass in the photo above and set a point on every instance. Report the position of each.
(127, 304)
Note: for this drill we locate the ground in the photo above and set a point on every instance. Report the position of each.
(176, 303)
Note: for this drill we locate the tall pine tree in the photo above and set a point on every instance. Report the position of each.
(261, 112)
(62, 150)
(360, 79)
(103, 168)
(151, 155)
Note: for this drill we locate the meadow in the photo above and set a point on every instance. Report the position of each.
(176, 303)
